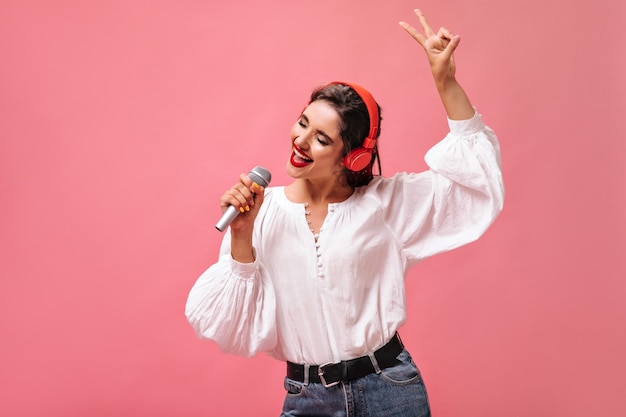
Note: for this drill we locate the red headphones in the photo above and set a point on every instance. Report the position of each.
(359, 158)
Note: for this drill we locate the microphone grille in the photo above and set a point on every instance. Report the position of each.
(260, 175)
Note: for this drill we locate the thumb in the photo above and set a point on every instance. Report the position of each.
(259, 195)
(450, 48)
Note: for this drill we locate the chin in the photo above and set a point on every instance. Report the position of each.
(291, 170)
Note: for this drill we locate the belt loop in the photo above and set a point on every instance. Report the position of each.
(306, 374)
(374, 362)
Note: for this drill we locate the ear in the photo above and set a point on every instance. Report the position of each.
(342, 158)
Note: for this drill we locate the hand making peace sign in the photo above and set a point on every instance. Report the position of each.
(439, 48)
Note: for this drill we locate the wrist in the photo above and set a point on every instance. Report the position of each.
(446, 85)
(241, 248)
(454, 99)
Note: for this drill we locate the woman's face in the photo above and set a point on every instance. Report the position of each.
(317, 148)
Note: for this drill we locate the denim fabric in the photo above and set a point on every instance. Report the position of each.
(398, 391)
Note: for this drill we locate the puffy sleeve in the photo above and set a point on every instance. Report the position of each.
(455, 201)
(234, 304)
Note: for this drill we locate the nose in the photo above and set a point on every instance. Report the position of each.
(302, 138)
(299, 141)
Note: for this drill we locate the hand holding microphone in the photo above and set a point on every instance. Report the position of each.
(241, 196)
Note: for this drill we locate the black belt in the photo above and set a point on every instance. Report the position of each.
(333, 373)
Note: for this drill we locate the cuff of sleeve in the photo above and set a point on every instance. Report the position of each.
(244, 270)
(466, 127)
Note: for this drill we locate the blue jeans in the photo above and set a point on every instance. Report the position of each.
(398, 391)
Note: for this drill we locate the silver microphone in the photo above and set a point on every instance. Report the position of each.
(257, 174)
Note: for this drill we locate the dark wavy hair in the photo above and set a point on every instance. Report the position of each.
(354, 126)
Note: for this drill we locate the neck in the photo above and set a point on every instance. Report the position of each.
(307, 191)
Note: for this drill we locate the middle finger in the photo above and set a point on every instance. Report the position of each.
(428, 31)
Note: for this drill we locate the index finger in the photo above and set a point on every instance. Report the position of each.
(415, 34)
(246, 180)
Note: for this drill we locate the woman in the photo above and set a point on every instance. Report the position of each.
(313, 273)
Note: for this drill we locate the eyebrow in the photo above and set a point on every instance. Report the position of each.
(321, 132)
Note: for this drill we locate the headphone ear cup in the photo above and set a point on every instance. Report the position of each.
(358, 159)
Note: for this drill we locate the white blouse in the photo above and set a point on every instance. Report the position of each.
(344, 296)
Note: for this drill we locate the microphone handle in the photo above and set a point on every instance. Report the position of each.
(229, 215)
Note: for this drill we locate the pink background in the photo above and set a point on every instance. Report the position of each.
(121, 122)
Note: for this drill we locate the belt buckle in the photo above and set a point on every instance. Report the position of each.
(320, 372)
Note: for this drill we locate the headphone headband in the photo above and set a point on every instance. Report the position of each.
(372, 110)
(360, 158)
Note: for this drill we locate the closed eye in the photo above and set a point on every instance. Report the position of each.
(321, 136)
(321, 139)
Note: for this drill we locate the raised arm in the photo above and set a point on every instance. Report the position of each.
(439, 48)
